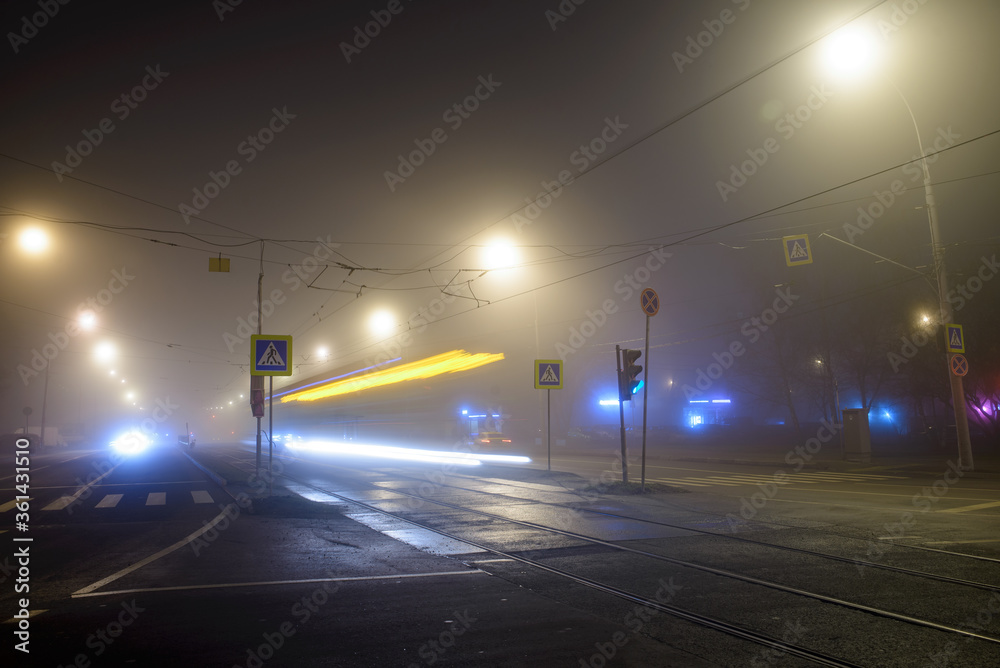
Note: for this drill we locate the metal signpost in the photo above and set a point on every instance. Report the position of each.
(622, 389)
(270, 355)
(548, 377)
(650, 302)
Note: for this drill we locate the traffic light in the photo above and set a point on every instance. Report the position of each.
(257, 403)
(630, 373)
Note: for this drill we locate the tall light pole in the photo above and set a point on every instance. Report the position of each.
(849, 51)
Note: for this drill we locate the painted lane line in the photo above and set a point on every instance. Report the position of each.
(65, 501)
(109, 501)
(227, 513)
(10, 505)
(268, 583)
(978, 506)
(31, 613)
(156, 499)
(201, 496)
(962, 542)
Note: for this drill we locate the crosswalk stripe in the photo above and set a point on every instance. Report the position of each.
(60, 503)
(156, 499)
(201, 496)
(109, 501)
(9, 505)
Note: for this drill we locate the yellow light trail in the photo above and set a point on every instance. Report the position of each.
(450, 362)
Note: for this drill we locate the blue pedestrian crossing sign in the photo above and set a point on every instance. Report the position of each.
(270, 355)
(797, 250)
(548, 374)
(954, 339)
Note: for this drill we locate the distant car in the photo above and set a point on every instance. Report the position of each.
(493, 439)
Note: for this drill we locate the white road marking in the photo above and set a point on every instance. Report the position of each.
(64, 501)
(962, 542)
(162, 553)
(109, 501)
(10, 504)
(359, 578)
(978, 506)
(201, 496)
(156, 499)
(31, 613)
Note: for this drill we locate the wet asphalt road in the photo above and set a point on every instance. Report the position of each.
(156, 560)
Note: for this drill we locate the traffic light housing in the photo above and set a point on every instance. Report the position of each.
(257, 403)
(630, 373)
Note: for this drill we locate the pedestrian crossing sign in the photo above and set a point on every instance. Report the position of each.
(797, 250)
(954, 338)
(548, 374)
(270, 355)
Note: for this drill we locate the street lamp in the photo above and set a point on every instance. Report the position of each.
(34, 240)
(846, 52)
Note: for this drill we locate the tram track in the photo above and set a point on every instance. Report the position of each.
(696, 617)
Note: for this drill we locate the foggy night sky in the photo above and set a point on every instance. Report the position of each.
(556, 85)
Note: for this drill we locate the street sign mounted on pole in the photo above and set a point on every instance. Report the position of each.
(954, 338)
(548, 374)
(649, 301)
(548, 377)
(797, 250)
(959, 365)
(270, 355)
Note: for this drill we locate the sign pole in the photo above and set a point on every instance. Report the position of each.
(270, 436)
(621, 411)
(645, 396)
(548, 423)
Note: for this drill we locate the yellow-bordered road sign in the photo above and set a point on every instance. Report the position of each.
(548, 374)
(954, 338)
(797, 250)
(270, 355)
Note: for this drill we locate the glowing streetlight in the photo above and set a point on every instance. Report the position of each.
(500, 254)
(382, 323)
(322, 352)
(87, 320)
(105, 352)
(852, 50)
(34, 240)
